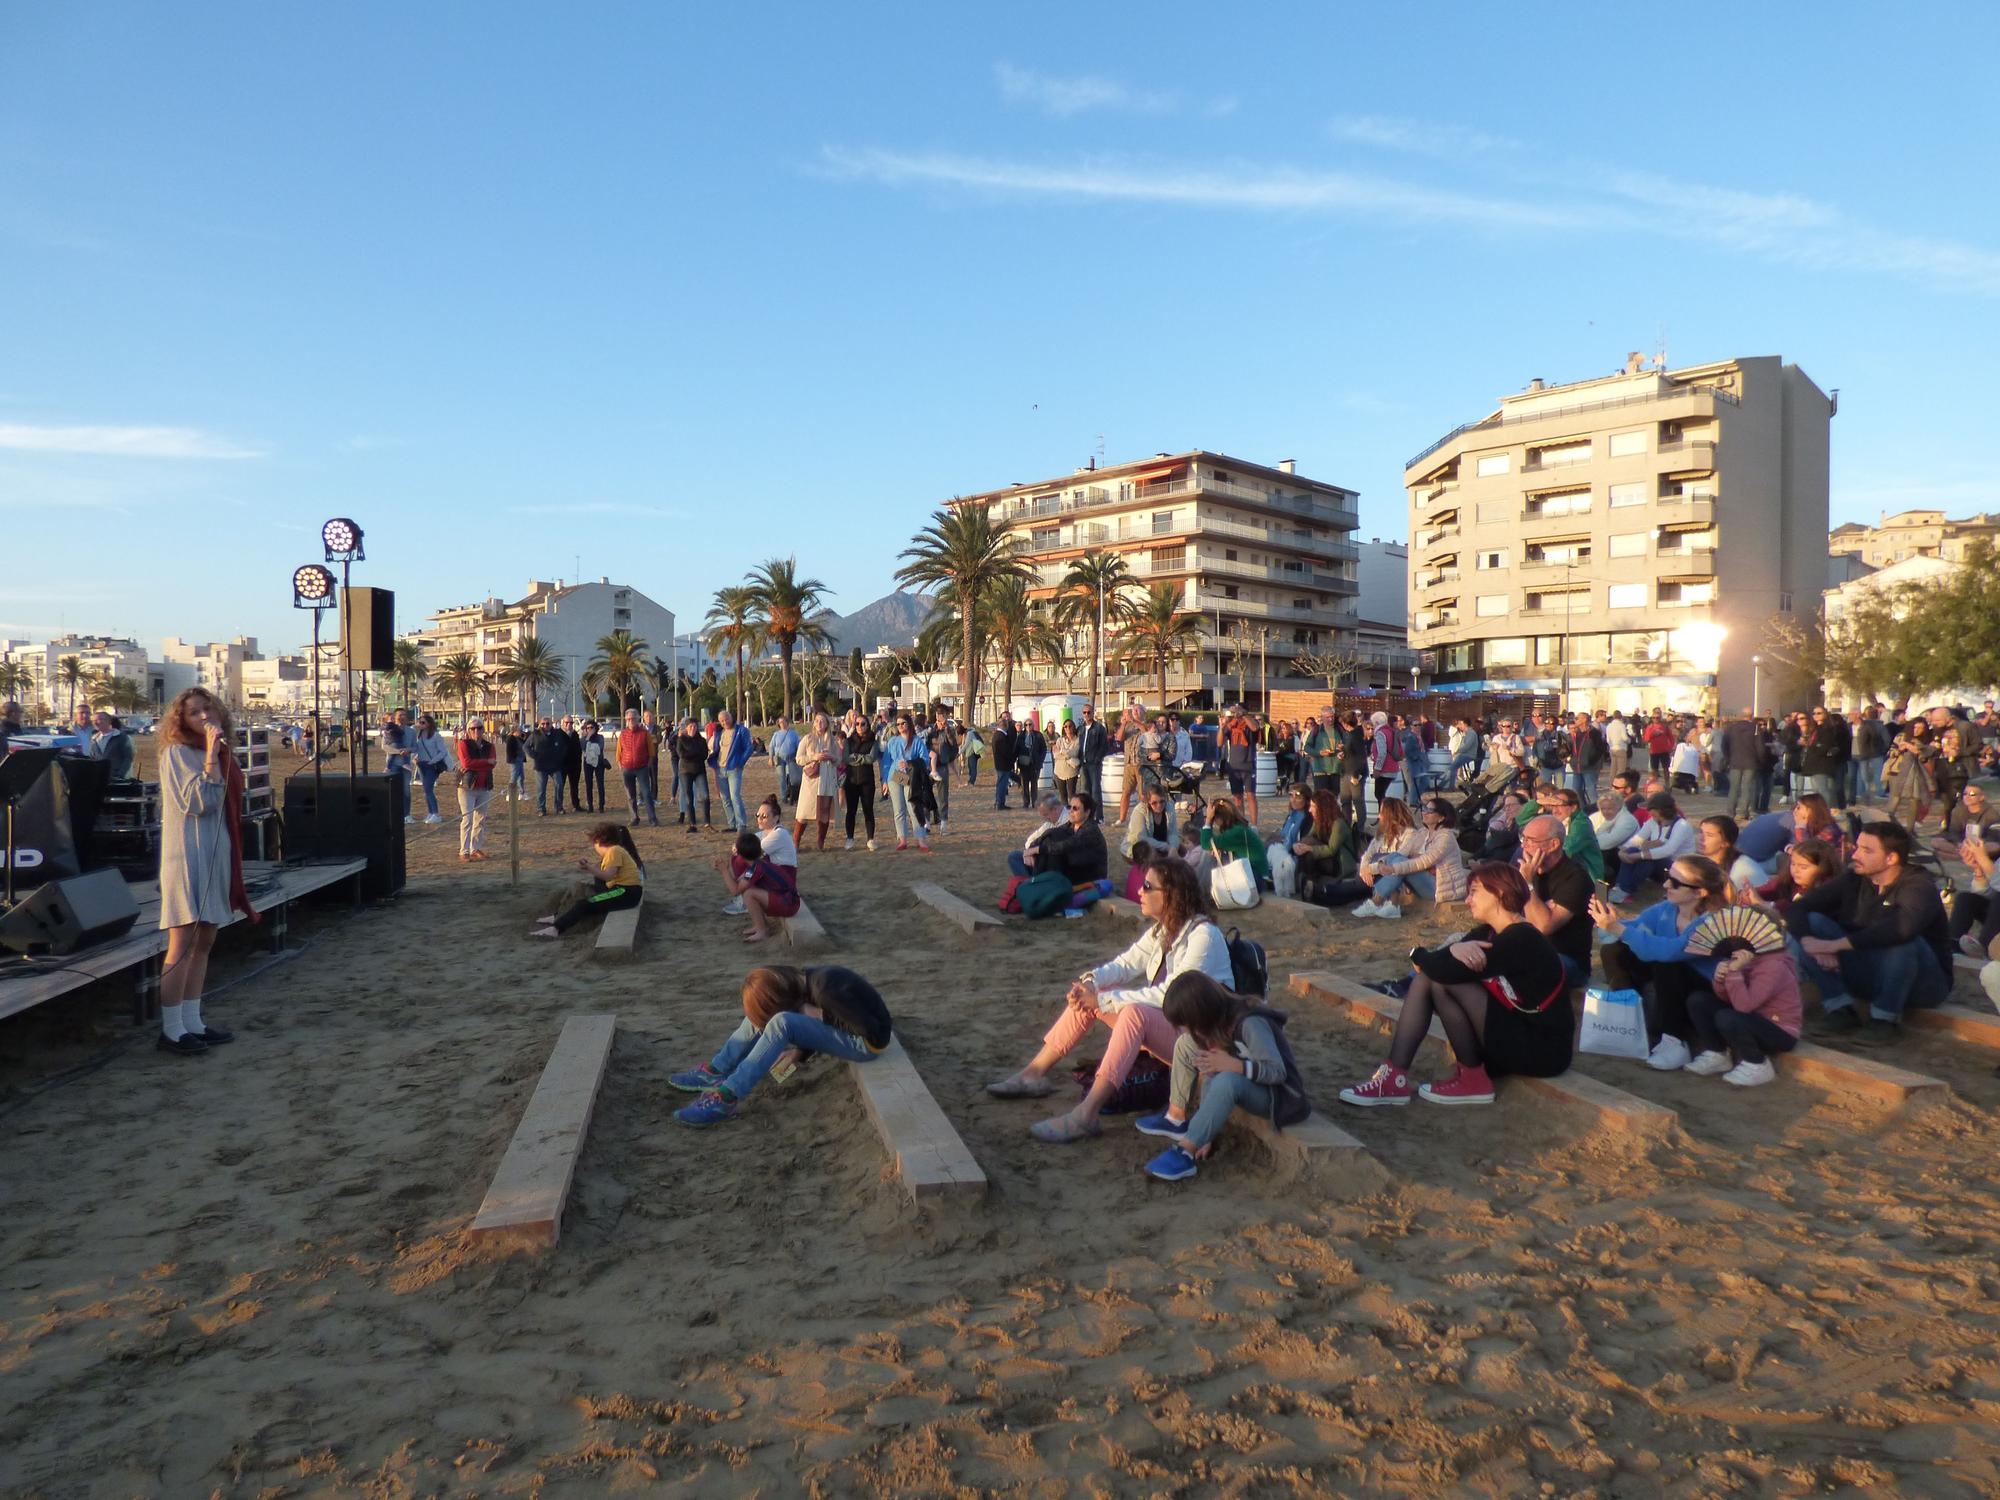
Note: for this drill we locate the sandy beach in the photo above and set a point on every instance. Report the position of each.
(243, 1275)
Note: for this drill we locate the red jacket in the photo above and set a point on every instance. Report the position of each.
(1660, 738)
(476, 765)
(635, 750)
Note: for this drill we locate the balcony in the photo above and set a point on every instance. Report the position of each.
(1285, 613)
(1701, 554)
(1685, 454)
(1689, 507)
(1567, 516)
(1549, 566)
(1444, 620)
(1561, 458)
(1708, 392)
(1436, 535)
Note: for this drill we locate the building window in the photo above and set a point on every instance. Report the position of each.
(1567, 503)
(1507, 651)
(1493, 559)
(1494, 463)
(1229, 554)
(1628, 544)
(1785, 603)
(1170, 559)
(1163, 521)
(1627, 494)
(1489, 605)
(1229, 591)
(1302, 604)
(1627, 596)
(1458, 658)
(1639, 646)
(1625, 444)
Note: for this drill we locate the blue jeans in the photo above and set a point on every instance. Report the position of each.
(1823, 785)
(1763, 802)
(1459, 763)
(1584, 784)
(430, 771)
(543, 781)
(730, 785)
(1422, 882)
(1000, 781)
(1017, 863)
(1864, 779)
(517, 775)
(1638, 872)
(639, 793)
(1894, 979)
(972, 770)
(748, 1054)
(690, 783)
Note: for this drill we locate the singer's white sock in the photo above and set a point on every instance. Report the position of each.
(191, 1015)
(171, 1026)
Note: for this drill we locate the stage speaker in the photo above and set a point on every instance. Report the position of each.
(368, 629)
(66, 915)
(350, 817)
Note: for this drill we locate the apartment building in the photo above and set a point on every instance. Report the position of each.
(1912, 533)
(214, 665)
(1622, 540)
(1382, 629)
(569, 619)
(1260, 553)
(97, 655)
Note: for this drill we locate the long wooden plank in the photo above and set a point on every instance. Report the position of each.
(1613, 1107)
(1117, 906)
(1313, 1139)
(803, 932)
(619, 932)
(964, 913)
(523, 1207)
(930, 1157)
(1826, 1068)
(1980, 1027)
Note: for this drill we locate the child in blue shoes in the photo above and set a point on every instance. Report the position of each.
(787, 1013)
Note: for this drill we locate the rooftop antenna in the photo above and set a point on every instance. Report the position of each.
(1660, 349)
(1100, 447)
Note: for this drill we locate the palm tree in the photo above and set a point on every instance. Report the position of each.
(530, 667)
(1092, 594)
(458, 675)
(407, 666)
(1157, 628)
(71, 674)
(790, 614)
(962, 555)
(621, 665)
(1018, 632)
(593, 682)
(732, 626)
(664, 677)
(15, 679)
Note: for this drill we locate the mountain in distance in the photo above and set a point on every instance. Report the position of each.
(892, 620)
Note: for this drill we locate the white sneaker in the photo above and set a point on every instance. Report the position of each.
(734, 908)
(1708, 1064)
(434, 818)
(410, 819)
(1366, 909)
(848, 845)
(1670, 1056)
(1989, 981)
(944, 828)
(1388, 911)
(1748, 1074)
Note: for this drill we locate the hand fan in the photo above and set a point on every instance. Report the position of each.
(1721, 932)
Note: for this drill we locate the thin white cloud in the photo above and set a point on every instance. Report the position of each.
(1221, 106)
(1424, 138)
(121, 442)
(1063, 97)
(1244, 187)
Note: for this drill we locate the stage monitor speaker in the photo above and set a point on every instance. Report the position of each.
(351, 817)
(368, 629)
(64, 916)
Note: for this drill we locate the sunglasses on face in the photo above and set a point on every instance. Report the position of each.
(1673, 883)
(1149, 886)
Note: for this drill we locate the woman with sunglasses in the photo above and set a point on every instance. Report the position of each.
(903, 760)
(1126, 995)
(1648, 953)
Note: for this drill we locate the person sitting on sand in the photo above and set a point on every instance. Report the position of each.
(1430, 866)
(1031, 856)
(1753, 1011)
(1652, 851)
(1395, 835)
(765, 887)
(620, 881)
(1125, 994)
(1154, 821)
(1228, 833)
(1499, 992)
(1648, 953)
(787, 1013)
(776, 842)
(1236, 1050)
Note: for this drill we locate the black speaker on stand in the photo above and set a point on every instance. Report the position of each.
(335, 817)
(63, 916)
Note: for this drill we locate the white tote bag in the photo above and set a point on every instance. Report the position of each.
(1233, 886)
(1614, 1024)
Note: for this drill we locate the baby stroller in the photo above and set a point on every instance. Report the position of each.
(1183, 780)
(1480, 800)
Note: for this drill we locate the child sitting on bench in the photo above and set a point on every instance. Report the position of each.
(767, 888)
(786, 1011)
(619, 883)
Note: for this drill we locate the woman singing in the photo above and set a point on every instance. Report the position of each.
(201, 860)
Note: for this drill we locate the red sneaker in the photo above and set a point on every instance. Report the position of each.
(1465, 1086)
(1388, 1084)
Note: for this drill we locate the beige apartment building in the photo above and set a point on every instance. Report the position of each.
(1622, 540)
(1261, 553)
(1912, 533)
(568, 618)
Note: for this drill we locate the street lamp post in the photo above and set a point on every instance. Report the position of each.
(1756, 687)
(1568, 567)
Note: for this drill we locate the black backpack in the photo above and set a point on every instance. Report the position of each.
(1250, 972)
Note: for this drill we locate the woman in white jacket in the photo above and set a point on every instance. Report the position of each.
(1125, 994)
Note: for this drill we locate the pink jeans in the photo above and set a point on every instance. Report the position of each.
(1132, 1027)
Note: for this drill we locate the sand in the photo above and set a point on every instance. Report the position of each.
(242, 1275)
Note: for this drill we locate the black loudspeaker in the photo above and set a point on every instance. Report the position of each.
(351, 816)
(63, 916)
(368, 629)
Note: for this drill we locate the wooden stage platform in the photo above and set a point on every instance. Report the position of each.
(272, 889)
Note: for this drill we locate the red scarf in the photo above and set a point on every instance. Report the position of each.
(232, 812)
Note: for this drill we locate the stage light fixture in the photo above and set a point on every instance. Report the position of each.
(312, 587)
(343, 540)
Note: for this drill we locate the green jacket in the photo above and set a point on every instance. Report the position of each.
(1241, 841)
(1580, 844)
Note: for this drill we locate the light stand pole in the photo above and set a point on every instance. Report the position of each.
(1568, 567)
(342, 541)
(312, 588)
(1756, 687)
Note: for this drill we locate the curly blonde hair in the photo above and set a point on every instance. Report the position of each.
(174, 726)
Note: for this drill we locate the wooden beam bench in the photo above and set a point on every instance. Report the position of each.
(1825, 1068)
(523, 1207)
(1313, 1142)
(803, 932)
(1613, 1107)
(930, 1157)
(1980, 1027)
(964, 913)
(619, 932)
(1117, 906)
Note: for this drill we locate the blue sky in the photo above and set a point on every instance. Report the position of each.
(662, 291)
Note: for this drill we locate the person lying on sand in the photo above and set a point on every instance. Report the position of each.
(621, 877)
(1125, 994)
(787, 1013)
(1235, 1048)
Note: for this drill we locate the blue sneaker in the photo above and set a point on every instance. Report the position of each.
(710, 1109)
(701, 1080)
(1159, 1124)
(1171, 1165)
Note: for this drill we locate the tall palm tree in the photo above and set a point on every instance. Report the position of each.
(593, 682)
(1018, 631)
(789, 613)
(71, 674)
(407, 666)
(961, 556)
(1157, 628)
(662, 678)
(732, 626)
(528, 668)
(1092, 594)
(15, 679)
(621, 664)
(459, 676)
